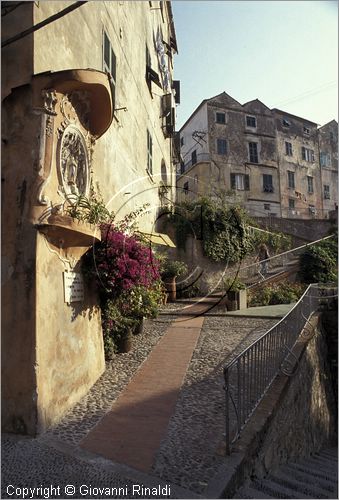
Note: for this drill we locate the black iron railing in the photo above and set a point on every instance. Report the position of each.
(250, 374)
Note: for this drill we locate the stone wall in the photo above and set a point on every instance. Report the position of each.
(304, 420)
(307, 230)
(296, 418)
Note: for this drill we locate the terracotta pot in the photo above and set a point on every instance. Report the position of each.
(171, 289)
(124, 343)
(138, 329)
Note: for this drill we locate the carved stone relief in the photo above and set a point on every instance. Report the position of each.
(73, 161)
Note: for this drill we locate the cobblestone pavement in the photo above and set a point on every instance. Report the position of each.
(188, 457)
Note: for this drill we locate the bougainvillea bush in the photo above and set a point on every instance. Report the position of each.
(122, 262)
(127, 276)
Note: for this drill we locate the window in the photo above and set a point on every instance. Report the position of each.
(220, 117)
(267, 183)
(149, 153)
(291, 204)
(310, 184)
(194, 157)
(306, 130)
(267, 206)
(109, 61)
(240, 182)
(186, 188)
(182, 141)
(285, 122)
(151, 75)
(253, 152)
(291, 182)
(251, 121)
(221, 146)
(288, 148)
(327, 192)
(307, 154)
(311, 209)
(325, 159)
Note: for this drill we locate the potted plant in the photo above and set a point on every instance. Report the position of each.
(169, 271)
(117, 329)
(236, 294)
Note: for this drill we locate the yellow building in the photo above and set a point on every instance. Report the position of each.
(88, 98)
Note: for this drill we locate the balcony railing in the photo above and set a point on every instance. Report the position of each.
(200, 158)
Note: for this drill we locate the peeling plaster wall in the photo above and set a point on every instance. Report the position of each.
(70, 355)
(18, 267)
(120, 160)
(328, 144)
(53, 351)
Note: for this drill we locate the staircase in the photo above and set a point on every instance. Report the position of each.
(313, 477)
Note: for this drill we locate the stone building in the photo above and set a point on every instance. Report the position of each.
(271, 162)
(328, 157)
(87, 99)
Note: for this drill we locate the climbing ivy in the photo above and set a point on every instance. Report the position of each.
(223, 229)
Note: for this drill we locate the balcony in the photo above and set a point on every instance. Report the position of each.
(200, 158)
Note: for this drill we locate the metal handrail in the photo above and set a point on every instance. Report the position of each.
(280, 259)
(249, 375)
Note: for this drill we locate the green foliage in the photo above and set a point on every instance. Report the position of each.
(319, 262)
(278, 242)
(115, 326)
(276, 293)
(233, 285)
(222, 228)
(90, 209)
(172, 268)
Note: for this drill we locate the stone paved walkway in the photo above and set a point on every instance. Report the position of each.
(132, 431)
(185, 449)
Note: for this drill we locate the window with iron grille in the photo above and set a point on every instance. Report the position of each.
(288, 148)
(327, 192)
(253, 152)
(309, 184)
(290, 178)
(109, 62)
(291, 203)
(220, 117)
(240, 182)
(307, 154)
(267, 183)
(221, 146)
(149, 153)
(251, 121)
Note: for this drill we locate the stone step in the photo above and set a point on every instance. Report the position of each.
(308, 477)
(323, 475)
(320, 464)
(277, 490)
(303, 486)
(333, 454)
(251, 492)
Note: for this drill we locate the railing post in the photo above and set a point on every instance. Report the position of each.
(227, 412)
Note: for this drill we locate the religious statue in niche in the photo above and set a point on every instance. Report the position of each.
(74, 161)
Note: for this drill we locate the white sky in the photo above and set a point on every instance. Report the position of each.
(284, 53)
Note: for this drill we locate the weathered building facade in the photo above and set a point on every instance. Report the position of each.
(267, 160)
(87, 100)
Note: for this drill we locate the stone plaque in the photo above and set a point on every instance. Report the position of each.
(73, 287)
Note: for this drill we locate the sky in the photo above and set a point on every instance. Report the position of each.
(284, 53)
